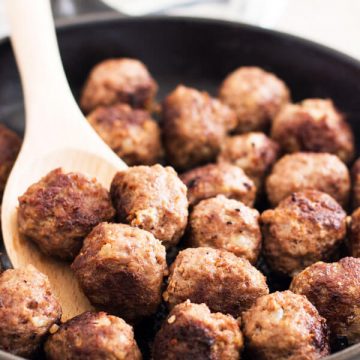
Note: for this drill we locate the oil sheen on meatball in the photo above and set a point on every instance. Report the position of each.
(355, 180)
(58, 212)
(285, 326)
(191, 331)
(218, 278)
(354, 241)
(304, 228)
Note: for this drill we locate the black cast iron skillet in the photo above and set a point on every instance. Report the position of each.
(198, 53)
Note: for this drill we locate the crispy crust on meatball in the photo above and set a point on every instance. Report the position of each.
(120, 269)
(214, 179)
(225, 282)
(285, 326)
(300, 171)
(191, 331)
(93, 336)
(152, 198)
(120, 80)
(255, 95)
(27, 310)
(131, 133)
(58, 212)
(335, 291)
(354, 243)
(227, 224)
(355, 180)
(194, 126)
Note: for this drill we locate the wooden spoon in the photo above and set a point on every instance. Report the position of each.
(57, 135)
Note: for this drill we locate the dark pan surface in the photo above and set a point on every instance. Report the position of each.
(198, 53)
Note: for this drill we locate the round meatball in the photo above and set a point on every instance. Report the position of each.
(225, 282)
(194, 126)
(301, 171)
(305, 227)
(219, 179)
(191, 331)
(313, 125)
(119, 81)
(27, 310)
(93, 336)
(255, 95)
(131, 133)
(152, 198)
(60, 210)
(254, 152)
(334, 289)
(121, 269)
(354, 243)
(355, 179)
(285, 326)
(228, 224)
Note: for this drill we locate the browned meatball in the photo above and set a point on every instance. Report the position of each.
(314, 125)
(285, 326)
(191, 331)
(228, 224)
(255, 95)
(301, 171)
(131, 133)
(152, 198)
(194, 125)
(254, 152)
(60, 210)
(355, 179)
(334, 289)
(27, 310)
(93, 336)
(121, 269)
(354, 243)
(119, 81)
(225, 282)
(219, 179)
(305, 227)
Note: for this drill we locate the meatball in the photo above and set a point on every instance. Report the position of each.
(255, 95)
(152, 198)
(301, 171)
(194, 126)
(119, 81)
(93, 336)
(131, 133)
(254, 152)
(354, 243)
(10, 144)
(59, 211)
(191, 331)
(121, 269)
(334, 289)
(227, 224)
(27, 310)
(225, 282)
(285, 326)
(305, 227)
(219, 179)
(355, 178)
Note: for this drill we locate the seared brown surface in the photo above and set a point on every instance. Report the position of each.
(60, 210)
(355, 181)
(354, 238)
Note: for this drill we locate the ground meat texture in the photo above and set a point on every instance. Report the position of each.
(354, 241)
(131, 133)
(355, 179)
(255, 95)
(119, 81)
(301, 171)
(93, 336)
(254, 152)
(334, 289)
(219, 179)
(225, 282)
(121, 269)
(285, 326)
(304, 228)
(191, 331)
(152, 198)
(194, 126)
(228, 224)
(59, 211)
(27, 310)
